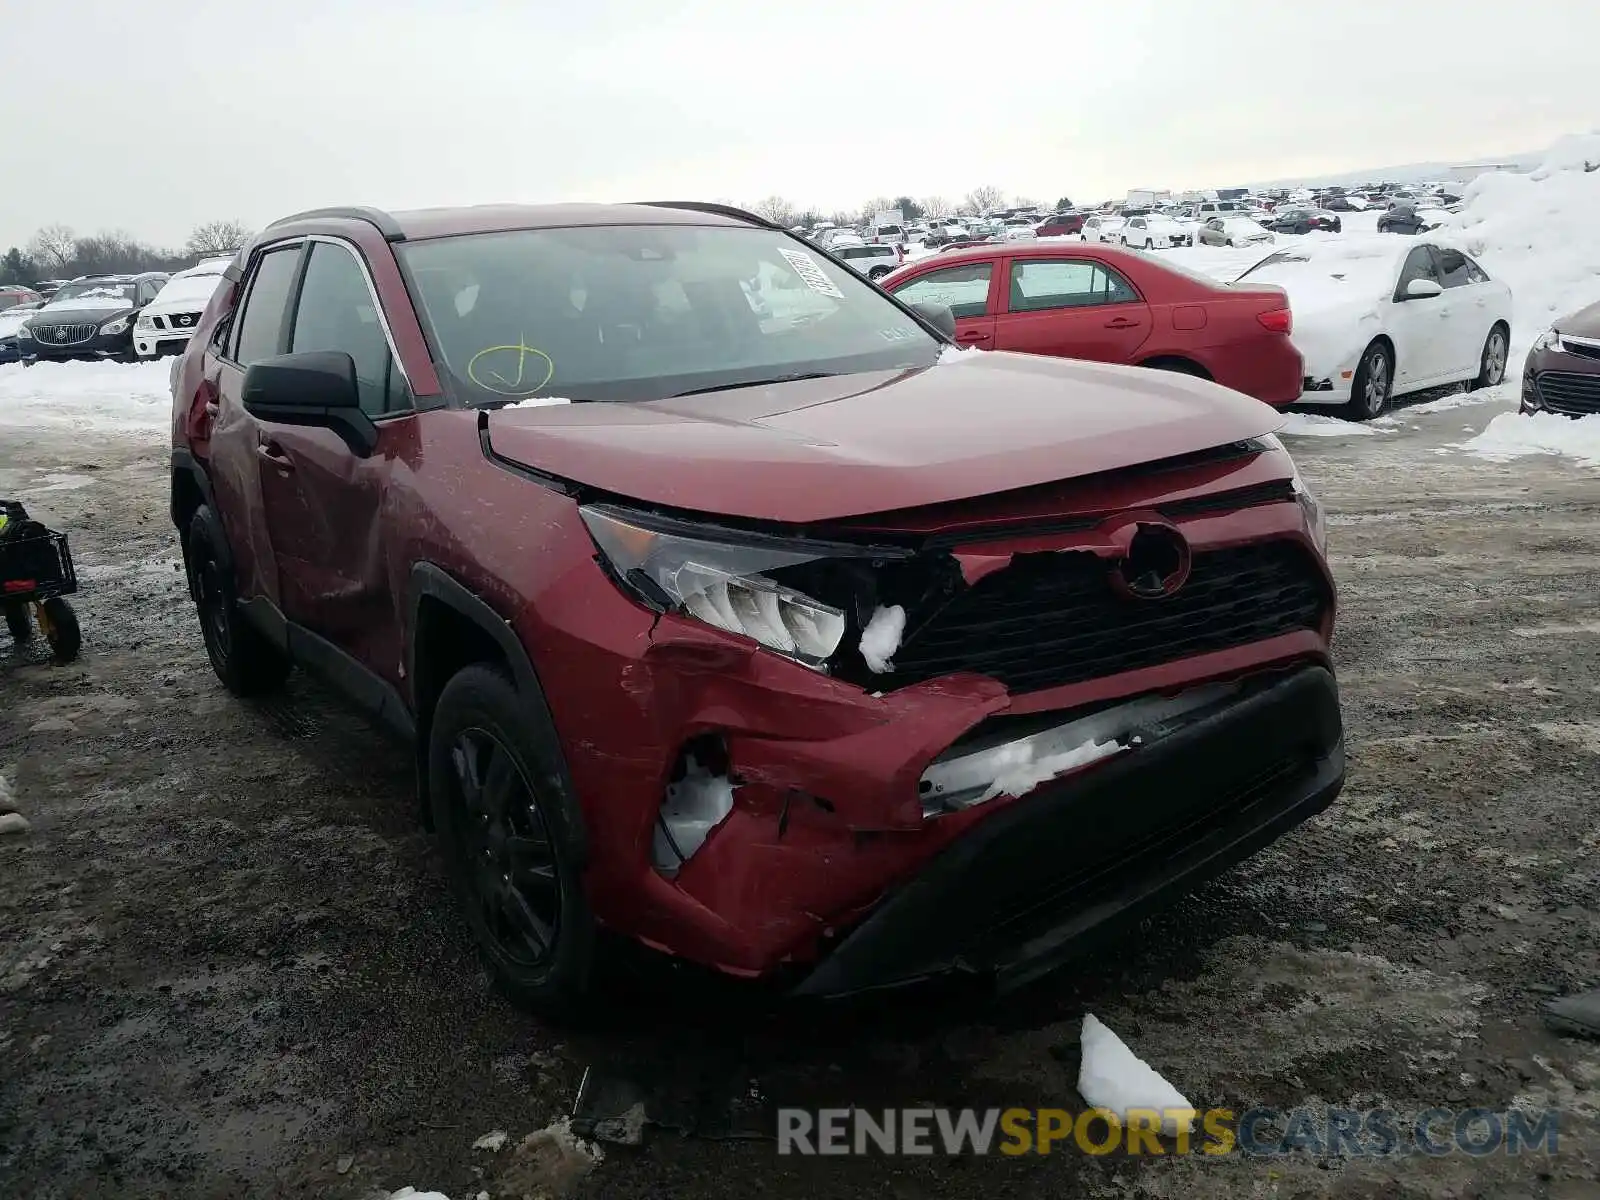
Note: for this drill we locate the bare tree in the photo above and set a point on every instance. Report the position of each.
(985, 197)
(777, 210)
(845, 217)
(214, 237)
(875, 206)
(935, 207)
(53, 247)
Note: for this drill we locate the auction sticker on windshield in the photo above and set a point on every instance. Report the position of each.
(806, 267)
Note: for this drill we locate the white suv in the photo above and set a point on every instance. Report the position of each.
(871, 260)
(166, 324)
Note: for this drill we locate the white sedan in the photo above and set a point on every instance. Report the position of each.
(1377, 317)
(1156, 231)
(1234, 231)
(1101, 228)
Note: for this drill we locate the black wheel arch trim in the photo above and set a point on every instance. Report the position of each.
(429, 581)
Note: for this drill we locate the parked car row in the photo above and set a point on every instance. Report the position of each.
(124, 317)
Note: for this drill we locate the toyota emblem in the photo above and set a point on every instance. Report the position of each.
(1156, 564)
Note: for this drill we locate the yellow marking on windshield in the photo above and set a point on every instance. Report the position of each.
(510, 378)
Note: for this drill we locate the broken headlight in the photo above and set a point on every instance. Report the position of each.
(724, 577)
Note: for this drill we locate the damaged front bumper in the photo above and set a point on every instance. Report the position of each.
(1184, 796)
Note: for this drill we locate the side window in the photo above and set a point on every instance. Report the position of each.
(1066, 283)
(965, 289)
(1474, 272)
(260, 325)
(1453, 268)
(336, 312)
(1419, 265)
(147, 292)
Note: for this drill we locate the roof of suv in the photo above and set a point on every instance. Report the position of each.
(423, 223)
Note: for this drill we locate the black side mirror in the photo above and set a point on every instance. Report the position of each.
(317, 388)
(937, 315)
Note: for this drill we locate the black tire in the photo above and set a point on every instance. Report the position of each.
(19, 621)
(1492, 363)
(245, 662)
(877, 273)
(1373, 384)
(61, 629)
(501, 802)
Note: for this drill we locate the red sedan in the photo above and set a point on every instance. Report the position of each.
(1101, 303)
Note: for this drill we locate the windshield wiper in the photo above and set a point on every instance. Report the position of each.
(728, 387)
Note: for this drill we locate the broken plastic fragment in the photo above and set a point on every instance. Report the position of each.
(1113, 1077)
(693, 807)
(881, 638)
(492, 1141)
(538, 402)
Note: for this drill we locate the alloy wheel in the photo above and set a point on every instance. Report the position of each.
(1494, 359)
(1377, 389)
(506, 849)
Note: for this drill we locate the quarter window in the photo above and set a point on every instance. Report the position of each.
(1066, 283)
(964, 289)
(1453, 268)
(336, 312)
(261, 324)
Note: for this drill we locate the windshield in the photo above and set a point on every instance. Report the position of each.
(95, 292)
(639, 312)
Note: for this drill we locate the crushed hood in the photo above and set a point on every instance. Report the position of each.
(824, 449)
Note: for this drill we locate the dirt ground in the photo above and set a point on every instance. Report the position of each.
(229, 966)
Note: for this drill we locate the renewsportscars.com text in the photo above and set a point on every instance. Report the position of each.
(1215, 1131)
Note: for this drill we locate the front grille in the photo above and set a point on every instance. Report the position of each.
(159, 322)
(183, 320)
(61, 335)
(1053, 619)
(1570, 393)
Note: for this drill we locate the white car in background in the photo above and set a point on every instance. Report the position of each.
(1156, 231)
(166, 324)
(1235, 231)
(830, 239)
(1376, 317)
(1101, 228)
(1018, 229)
(871, 259)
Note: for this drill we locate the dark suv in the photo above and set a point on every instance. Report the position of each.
(91, 317)
(731, 608)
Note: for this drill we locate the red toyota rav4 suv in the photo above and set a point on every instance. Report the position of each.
(732, 608)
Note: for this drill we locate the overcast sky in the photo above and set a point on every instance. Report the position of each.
(151, 118)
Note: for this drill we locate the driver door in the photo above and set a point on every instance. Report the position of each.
(1423, 327)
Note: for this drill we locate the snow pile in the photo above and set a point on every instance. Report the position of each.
(1113, 1077)
(537, 402)
(1538, 232)
(881, 638)
(123, 397)
(1511, 435)
(1317, 425)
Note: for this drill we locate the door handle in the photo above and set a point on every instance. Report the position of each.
(1121, 323)
(269, 452)
(972, 335)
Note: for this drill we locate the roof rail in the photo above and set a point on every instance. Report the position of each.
(376, 217)
(719, 210)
